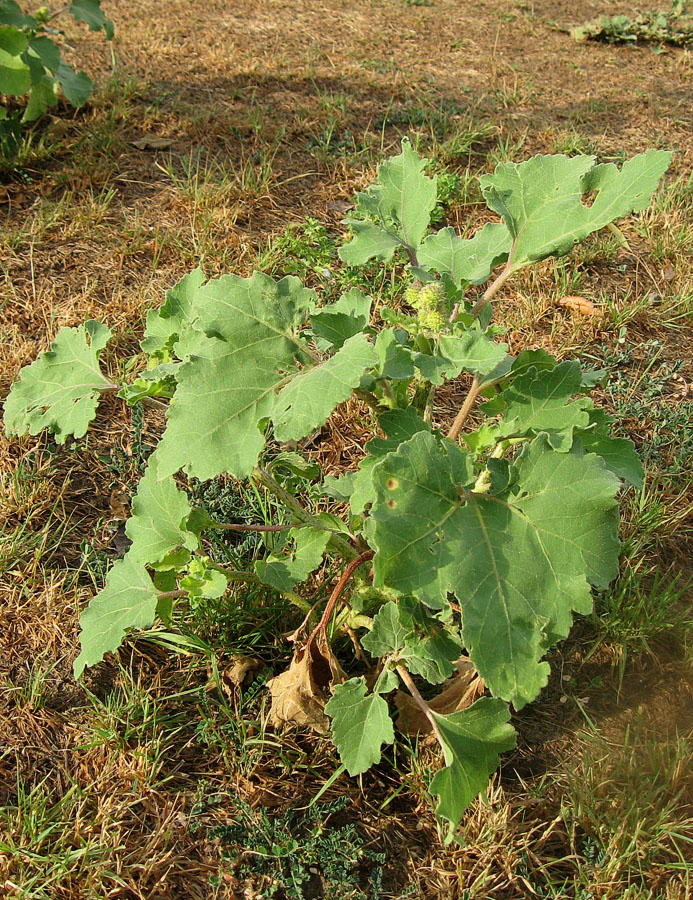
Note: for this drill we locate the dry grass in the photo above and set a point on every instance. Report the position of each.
(276, 112)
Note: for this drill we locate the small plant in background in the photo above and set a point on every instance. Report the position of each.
(462, 554)
(32, 65)
(657, 27)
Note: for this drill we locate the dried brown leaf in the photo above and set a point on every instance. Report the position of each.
(459, 692)
(579, 305)
(299, 695)
(241, 666)
(152, 142)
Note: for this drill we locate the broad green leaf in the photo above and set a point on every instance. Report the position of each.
(339, 321)
(474, 352)
(471, 351)
(472, 741)
(541, 200)
(228, 385)
(166, 325)
(527, 359)
(388, 680)
(539, 402)
(47, 52)
(388, 634)
(76, 86)
(519, 563)
(394, 358)
(12, 40)
(309, 399)
(368, 241)
(360, 725)
(466, 260)
(619, 454)
(90, 11)
(157, 521)
(284, 572)
(15, 79)
(60, 390)
(11, 14)
(399, 425)
(394, 212)
(128, 601)
(432, 656)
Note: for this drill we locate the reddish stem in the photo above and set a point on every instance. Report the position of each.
(336, 593)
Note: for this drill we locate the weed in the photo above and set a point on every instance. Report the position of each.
(673, 27)
(648, 396)
(282, 855)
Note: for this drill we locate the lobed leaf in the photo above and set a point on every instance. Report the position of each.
(158, 520)
(309, 399)
(284, 572)
(15, 78)
(166, 325)
(538, 402)
(618, 454)
(425, 648)
(228, 384)
(394, 212)
(541, 200)
(339, 321)
(60, 390)
(466, 260)
(90, 12)
(128, 601)
(361, 724)
(472, 741)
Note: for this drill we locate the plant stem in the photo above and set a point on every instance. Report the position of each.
(343, 547)
(368, 398)
(418, 699)
(495, 285)
(465, 409)
(235, 575)
(171, 595)
(336, 593)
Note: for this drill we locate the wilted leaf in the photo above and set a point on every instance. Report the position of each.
(580, 305)
(152, 142)
(459, 692)
(299, 695)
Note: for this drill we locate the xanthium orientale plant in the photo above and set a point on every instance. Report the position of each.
(463, 555)
(31, 63)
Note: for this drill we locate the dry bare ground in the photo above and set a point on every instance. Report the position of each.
(218, 129)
